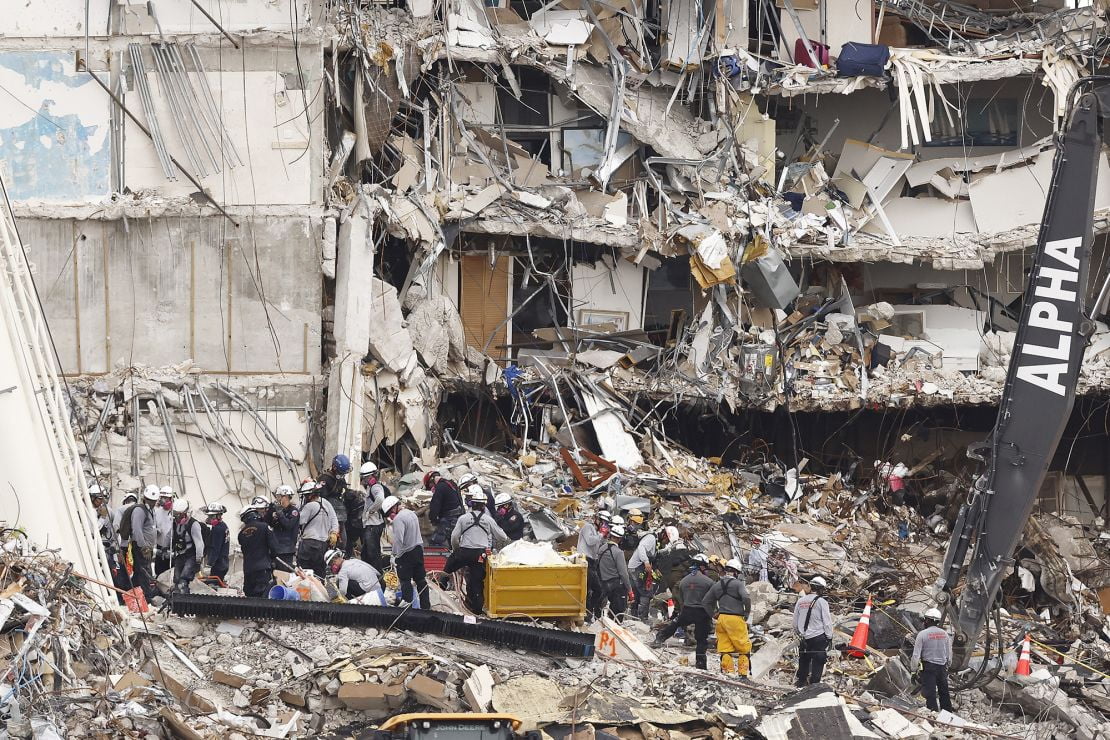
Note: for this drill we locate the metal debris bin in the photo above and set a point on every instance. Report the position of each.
(536, 590)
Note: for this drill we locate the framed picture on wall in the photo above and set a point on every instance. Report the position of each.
(596, 317)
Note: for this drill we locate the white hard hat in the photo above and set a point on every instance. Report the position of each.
(701, 558)
(167, 491)
(283, 490)
(309, 485)
(130, 496)
(215, 509)
(933, 613)
(734, 564)
(389, 503)
(368, 468)
(331, 555)
(150, 493)
(818, 581)
(475, 494)
(672, 533)
(467, 479)
(617, 519)
(604, 515)
(617, 530)
(503, 498)
(180, 506)
(95, 489)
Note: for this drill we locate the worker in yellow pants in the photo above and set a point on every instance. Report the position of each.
(732, 638)
(729, 595)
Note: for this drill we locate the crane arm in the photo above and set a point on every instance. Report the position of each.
(1052, 335)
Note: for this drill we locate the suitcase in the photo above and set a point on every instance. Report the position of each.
(801, 56)
(862, 60)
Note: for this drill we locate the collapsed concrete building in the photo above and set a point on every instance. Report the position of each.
(673, 235)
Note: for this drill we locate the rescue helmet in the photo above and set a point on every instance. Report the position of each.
(430, 479)
(309, 487)
(605, 515)
(467, 480)
(933, 614)
(700, 559)
(390, 503)
(248, 512)
(259, 502)
(180, 506)
(130, 496)
(283, 490)
(150, 493)
(617, 530)
(367, 469)
(341, 464)
(215, 509)
(617, 520)
(819, 582)
(165, 491)
(734, 565)
(503, 499)
(331, 555)
(475, 496)
(635, 516)
(96, 490)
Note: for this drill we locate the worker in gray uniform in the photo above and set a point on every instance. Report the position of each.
(590, 538)
(814, 626)
(616, 586)
(473, 539)
(932, 652)
(694, 588)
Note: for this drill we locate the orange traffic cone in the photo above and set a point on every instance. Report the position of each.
(1023, 668)
(857, 648)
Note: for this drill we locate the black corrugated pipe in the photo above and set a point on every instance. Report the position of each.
(505, 634)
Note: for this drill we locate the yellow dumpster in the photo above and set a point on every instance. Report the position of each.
(536, 590)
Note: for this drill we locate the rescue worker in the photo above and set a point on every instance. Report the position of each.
(354, 577)
(445, 508)
(612, 569)
(672, 563)
(217, 543)
(508, 517)
(408, 552)
(590, 537)
(643, 575)
(473, 539)
(129, 499)
(814, 626)
(143, 537)
(108, 539)
(373, 523)
(757, 560)
(932, 653)
(163, 528)
(693, 588)
(729, 597)
(284, 518)
(187, 545)
(333, 489)
(256, 540)
(319, 528)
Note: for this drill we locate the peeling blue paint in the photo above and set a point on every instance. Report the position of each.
(60, 153)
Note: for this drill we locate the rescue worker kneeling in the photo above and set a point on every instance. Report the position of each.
(354, 578)
(730, 595)
(472, 541)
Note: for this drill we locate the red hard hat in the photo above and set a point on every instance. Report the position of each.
(430, 478)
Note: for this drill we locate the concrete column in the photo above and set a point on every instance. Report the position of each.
(353, 269)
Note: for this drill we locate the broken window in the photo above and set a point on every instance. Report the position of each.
(668, 291)
(541, 292)
(986, 121)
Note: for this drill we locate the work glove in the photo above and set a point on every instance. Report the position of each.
(148, 553)
(333, 538)
(631, 594)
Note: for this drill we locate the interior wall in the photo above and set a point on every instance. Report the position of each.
(600, 287)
